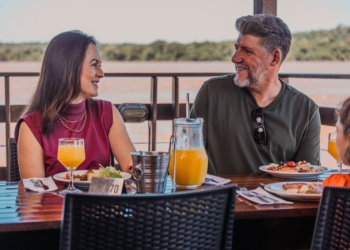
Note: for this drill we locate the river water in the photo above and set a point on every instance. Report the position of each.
(326, 92)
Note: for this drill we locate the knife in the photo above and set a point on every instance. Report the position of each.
(211, 179)
(131, 183)
(265, 196)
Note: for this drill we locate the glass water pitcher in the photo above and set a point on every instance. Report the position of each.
(188, 160)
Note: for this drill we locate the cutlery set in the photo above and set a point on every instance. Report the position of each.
(39, 184)
(263, 198)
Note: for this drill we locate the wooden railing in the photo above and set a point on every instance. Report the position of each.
(157, 111)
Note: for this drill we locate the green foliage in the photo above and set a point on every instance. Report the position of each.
(314, 45)
(321, 45)
(163, 51)
(22, 52)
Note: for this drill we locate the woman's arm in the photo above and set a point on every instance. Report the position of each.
(30, 154)
(120, 141)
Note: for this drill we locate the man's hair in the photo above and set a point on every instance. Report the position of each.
(274, 33)
(344, 118)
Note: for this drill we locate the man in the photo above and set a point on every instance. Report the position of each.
(253, 118)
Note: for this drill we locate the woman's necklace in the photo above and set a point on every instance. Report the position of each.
(58, 115)
(62, 120)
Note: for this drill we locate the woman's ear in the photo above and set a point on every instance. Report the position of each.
(276, 57)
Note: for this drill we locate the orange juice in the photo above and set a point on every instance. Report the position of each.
(71, 156)
(191, 166)
(332, 150)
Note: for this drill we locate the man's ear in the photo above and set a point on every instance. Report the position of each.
(276, 57)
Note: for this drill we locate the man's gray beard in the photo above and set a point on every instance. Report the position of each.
(250, 81)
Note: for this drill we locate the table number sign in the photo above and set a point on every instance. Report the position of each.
(109, 186)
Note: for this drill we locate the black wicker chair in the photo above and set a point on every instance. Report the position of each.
(12, 170)
(198, 219)
(332, 228)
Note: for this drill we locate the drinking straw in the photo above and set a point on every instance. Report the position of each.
(187, 105)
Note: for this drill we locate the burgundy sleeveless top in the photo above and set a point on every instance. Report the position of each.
(95, 134)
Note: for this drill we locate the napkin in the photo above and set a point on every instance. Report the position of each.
(261, 191)
(338, 180)
(40, 184)
(215, 180)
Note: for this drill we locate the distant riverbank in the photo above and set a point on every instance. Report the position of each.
(321, 45)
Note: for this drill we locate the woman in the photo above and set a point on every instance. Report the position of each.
(63, 107)
(343, 132)
(343, 146)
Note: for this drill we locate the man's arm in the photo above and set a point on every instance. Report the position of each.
(200, 109)
(309, 149)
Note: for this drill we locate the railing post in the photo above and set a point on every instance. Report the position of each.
(175, 99)
(154, 108)
(8, 115)
(286, 79)
(265, 7)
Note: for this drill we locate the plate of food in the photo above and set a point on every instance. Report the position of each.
(300, 191)
(292, 170)
(83, 178)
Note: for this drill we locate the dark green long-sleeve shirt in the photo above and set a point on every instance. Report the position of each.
(292, 123)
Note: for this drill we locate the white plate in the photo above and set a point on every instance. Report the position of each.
(61, 177)
(277, 188)
(295, 175)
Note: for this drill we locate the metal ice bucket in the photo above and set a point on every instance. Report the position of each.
(150, 171)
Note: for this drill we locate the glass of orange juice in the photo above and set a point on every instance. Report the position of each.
(332, 149)
(188, 161)
(71, 153)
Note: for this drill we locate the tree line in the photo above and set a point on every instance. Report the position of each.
(320, 45)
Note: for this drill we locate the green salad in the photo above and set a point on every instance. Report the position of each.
(109, 171)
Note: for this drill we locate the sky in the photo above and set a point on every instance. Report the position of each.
(145, 21)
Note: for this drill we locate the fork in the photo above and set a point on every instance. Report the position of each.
(246, 192)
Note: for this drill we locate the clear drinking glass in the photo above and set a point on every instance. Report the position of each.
(71, 153)
(332, 149)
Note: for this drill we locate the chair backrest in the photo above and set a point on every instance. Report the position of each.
(198, 219)
(12, 170)
(332, 228)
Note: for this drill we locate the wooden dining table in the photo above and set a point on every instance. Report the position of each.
(34, 219)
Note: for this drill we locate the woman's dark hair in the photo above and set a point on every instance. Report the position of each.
(344, 118)
(274, 33)
(59, 81)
